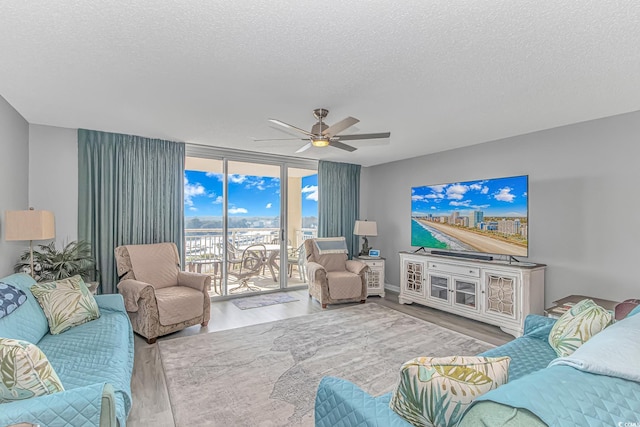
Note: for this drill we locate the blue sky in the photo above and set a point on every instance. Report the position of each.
(248, 195)
(495, 197)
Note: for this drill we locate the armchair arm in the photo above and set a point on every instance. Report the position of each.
(316, 273)
(64, 408)
(357, 267)
(132, 290)
(197, 281)
(341, 403)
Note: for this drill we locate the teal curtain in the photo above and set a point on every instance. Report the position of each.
(339, 201)
(130, 191)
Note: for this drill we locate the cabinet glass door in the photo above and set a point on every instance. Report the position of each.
(439, 288)
(466, 292)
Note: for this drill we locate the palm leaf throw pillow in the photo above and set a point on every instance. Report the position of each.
(577, 325)
(436, 391)
(66, 303)
(25, 371)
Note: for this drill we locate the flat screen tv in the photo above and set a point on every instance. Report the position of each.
(486, 216)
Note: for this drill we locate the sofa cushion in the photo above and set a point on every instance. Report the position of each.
(435, 391)
(66, 303)
(156, 264)
(25, 371)
(344, 285)
(10, 299)
(577, 325)
(28, 322)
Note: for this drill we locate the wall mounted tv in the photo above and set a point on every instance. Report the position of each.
(485, 216)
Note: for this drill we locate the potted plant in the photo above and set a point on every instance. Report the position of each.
(51, 264)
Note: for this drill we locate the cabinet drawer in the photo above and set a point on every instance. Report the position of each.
(375, 263)
(455, 269)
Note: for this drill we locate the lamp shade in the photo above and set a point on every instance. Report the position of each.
(365, 228)
(29, 225)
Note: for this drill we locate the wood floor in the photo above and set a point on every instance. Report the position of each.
(151, 405)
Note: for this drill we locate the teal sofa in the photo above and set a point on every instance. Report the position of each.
(94, 362)
(536, 395)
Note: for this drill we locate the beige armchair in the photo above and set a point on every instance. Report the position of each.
(333, 278)
(160, 298)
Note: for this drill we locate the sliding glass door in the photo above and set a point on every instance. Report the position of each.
(245, 222)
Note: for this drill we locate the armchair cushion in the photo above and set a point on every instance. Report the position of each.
(178, 304)
(156, 264)
(344, 285)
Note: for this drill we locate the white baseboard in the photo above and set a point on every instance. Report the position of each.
(392, 288)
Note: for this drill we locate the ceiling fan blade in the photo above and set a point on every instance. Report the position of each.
(342, 146)
(278, 122)
(279, 139)
(336, 128)
(364, 136)
(303, 148)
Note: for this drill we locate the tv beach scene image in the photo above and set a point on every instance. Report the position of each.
(489, 216)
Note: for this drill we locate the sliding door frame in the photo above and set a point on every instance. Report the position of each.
(284, 162)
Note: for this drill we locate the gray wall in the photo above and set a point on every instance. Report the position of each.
(14, 178)
(53, 177)
(583, 201)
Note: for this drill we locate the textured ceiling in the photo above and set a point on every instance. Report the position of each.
(437, 74)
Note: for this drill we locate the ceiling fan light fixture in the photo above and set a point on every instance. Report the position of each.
(319, 142)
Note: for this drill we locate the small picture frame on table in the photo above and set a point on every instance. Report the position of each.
(374, 253)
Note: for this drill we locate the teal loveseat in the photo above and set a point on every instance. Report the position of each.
(536, 395)
(94, 362)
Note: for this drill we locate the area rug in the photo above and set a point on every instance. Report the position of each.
(267, 374)
(262, 300)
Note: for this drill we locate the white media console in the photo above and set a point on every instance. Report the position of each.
(495, 292)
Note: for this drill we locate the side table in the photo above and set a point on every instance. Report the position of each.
(563, 305)
(375, 275)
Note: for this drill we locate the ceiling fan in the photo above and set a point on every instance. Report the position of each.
(323, 135)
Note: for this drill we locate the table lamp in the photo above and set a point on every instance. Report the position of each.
(365, 228)
(29, 225)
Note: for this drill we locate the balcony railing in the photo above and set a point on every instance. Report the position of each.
(204, 252)
(207, 243)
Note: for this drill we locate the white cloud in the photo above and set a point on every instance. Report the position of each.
(433, 207)
(504, 195)
(214, 175)
(417, 197)
(464, 203)
(237, 179)
(456, 192)
(268, 206)
(312, 191)
(437, 188)
(191, 208)
(191, 191)
(234, 211)
(484, 190)
(480, 206)
(217, 201)
(434, 196)
(475, 186)
(524, 194)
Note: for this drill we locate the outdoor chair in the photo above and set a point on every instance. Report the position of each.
(159, 298)
(297, 257)
(252, 263)
(332, 277)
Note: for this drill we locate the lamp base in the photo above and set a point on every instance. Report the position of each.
(365, 247)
